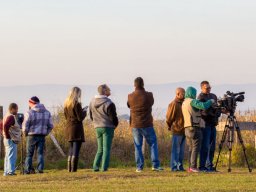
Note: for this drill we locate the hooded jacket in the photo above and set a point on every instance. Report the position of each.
(103, 112)
(191, 109)
(37, 121)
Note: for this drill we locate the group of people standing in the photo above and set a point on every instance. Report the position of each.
(193, 120)
(36, 126)
(189, 119)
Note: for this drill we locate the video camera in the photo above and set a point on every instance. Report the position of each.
(229, 102)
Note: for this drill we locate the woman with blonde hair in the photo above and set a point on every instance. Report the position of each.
(74, 114)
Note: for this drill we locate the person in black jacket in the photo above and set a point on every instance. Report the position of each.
(210, 117)
(74, 114)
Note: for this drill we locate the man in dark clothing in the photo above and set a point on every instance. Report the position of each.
(175, 122)
(210, 117)
(104, 117)
(140, 103)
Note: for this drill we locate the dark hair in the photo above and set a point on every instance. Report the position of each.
(204, 83)
(139, 82)
(13, 106)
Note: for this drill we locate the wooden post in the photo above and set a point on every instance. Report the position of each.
(1, 138)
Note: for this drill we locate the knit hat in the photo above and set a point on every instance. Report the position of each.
(34, 100)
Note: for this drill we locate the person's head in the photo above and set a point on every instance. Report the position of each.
(104, 90)
(139, 83)
(191, 93)
(74, 97)
(33, 101)
(205, 87)
(180, 93)
(13, 108)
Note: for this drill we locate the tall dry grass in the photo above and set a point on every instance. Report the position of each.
(123, 148)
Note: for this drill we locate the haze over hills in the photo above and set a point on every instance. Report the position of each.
(54, 95)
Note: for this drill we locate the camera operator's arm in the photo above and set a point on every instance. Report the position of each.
(201, 105)
(26, 124)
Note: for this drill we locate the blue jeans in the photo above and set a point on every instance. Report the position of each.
(10, 157)
(35, 142)
(208, 147)
(150, 136)
(177, 154)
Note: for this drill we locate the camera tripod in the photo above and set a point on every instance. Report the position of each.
(229, 132)
(21, 165)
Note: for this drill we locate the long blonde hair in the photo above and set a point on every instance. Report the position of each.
(73, 97)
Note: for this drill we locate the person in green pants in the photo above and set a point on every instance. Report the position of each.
(102, 112)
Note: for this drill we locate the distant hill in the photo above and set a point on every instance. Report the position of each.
(54, 95)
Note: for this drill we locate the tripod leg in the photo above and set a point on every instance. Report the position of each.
(230, 142)
(239, 134)
(221, 145)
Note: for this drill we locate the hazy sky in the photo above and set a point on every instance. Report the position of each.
(113, 41)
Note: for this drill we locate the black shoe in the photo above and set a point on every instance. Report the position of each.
(69, 163)
(212, 169)
(30, 172)
(203, 169)
(74, 164)
(39, 172)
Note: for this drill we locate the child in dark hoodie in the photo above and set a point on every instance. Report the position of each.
(104, 117)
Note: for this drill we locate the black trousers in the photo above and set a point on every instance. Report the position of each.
(74, 148)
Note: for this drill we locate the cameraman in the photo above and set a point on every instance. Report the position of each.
(210, 116)
(37, 125)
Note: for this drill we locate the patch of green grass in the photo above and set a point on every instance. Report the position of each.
(127, 180)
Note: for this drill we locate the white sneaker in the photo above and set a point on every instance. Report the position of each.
(138, 170)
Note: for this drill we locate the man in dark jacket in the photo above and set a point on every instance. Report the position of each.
(175, 122)
(210, 117)
(140, 103)
(36, 126)
(104, 117)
